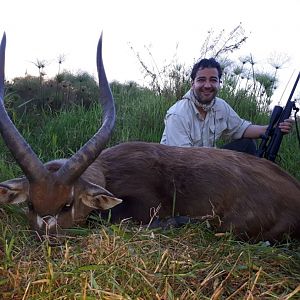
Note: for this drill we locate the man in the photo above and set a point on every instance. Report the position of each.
(201, 118)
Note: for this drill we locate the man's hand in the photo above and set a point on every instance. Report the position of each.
(286, 126)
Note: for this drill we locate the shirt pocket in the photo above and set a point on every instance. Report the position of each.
(217, 128)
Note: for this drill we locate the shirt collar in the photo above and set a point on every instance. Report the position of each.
(216, 107)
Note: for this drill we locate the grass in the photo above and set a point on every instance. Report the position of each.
(126, 261)
(129, 262)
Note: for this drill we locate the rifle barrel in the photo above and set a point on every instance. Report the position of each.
(294, 88)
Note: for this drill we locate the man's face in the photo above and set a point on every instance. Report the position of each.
(206, 85)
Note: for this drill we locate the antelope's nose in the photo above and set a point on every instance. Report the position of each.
(48, 222)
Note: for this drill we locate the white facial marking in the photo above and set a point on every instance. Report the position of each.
(73, 212)
(73, 207)
(47, 221)
(39, 221)
(52, 221)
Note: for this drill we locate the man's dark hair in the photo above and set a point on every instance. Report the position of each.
(206, 63)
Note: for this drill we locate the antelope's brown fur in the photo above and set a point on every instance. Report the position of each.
(249, 195)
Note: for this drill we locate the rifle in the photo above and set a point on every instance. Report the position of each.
(272, 138)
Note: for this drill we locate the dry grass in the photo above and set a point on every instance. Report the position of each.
(129, 262)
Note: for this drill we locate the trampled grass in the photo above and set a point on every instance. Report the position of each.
(126, 261)
(129, 262)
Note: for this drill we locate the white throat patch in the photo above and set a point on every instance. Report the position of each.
(48, 221)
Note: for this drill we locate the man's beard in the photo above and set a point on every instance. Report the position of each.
(206, 106)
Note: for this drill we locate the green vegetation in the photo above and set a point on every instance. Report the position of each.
(58, 132)
(126, 261)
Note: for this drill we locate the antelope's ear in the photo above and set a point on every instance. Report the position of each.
(97, 197)
(14, 191)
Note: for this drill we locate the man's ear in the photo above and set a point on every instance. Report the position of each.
(14, 191)
(97, 197)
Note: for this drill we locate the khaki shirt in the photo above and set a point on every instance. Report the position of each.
(185, 127)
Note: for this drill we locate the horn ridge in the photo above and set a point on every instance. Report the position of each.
(2, 66)
(19, 148)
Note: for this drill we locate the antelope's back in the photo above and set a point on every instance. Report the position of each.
(220, 168)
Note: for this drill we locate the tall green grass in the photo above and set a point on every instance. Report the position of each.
(140, 117)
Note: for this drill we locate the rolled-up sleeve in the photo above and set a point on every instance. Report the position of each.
(236, 126)
(176, 131)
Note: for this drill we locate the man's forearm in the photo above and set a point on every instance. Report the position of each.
(255, 131)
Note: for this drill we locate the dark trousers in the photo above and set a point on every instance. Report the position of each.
(242, 145)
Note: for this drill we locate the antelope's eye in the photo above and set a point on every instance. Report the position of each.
(67, 207)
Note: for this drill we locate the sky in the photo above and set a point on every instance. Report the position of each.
(44, 30)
